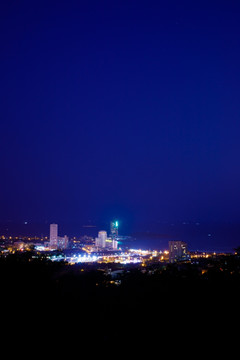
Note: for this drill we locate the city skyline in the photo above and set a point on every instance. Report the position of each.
(126, 110)
(218, 237)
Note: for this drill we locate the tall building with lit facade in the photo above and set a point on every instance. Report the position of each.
(114, 244)
(53, 236)
(101, 239)
(177, 251)
(114, 229)
(103, 242)
(62, 242)
(57, 242)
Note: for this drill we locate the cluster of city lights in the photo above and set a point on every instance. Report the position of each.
(120, 259)
(82, 258)
(130, 256)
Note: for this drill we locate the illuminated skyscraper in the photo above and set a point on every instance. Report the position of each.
(53, 231)
(177, 251)
(53, 236)
(57, 242)
(114, 229)
(101, 239)
(114, 244)
(62, 242)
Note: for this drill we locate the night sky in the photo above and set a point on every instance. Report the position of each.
(120, 109)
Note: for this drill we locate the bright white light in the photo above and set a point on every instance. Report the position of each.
(40, 248)
(83, 258)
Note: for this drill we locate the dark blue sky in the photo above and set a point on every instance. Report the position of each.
(125, 109)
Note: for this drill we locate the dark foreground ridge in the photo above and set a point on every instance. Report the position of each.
(93, 303)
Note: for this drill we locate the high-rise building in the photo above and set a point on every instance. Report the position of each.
(103, 242)
(53, 236)
(101, 239)
(62, 242)
(53, 231)
(177, 251)
(114, 229)
(57, 242)
(114, 244)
